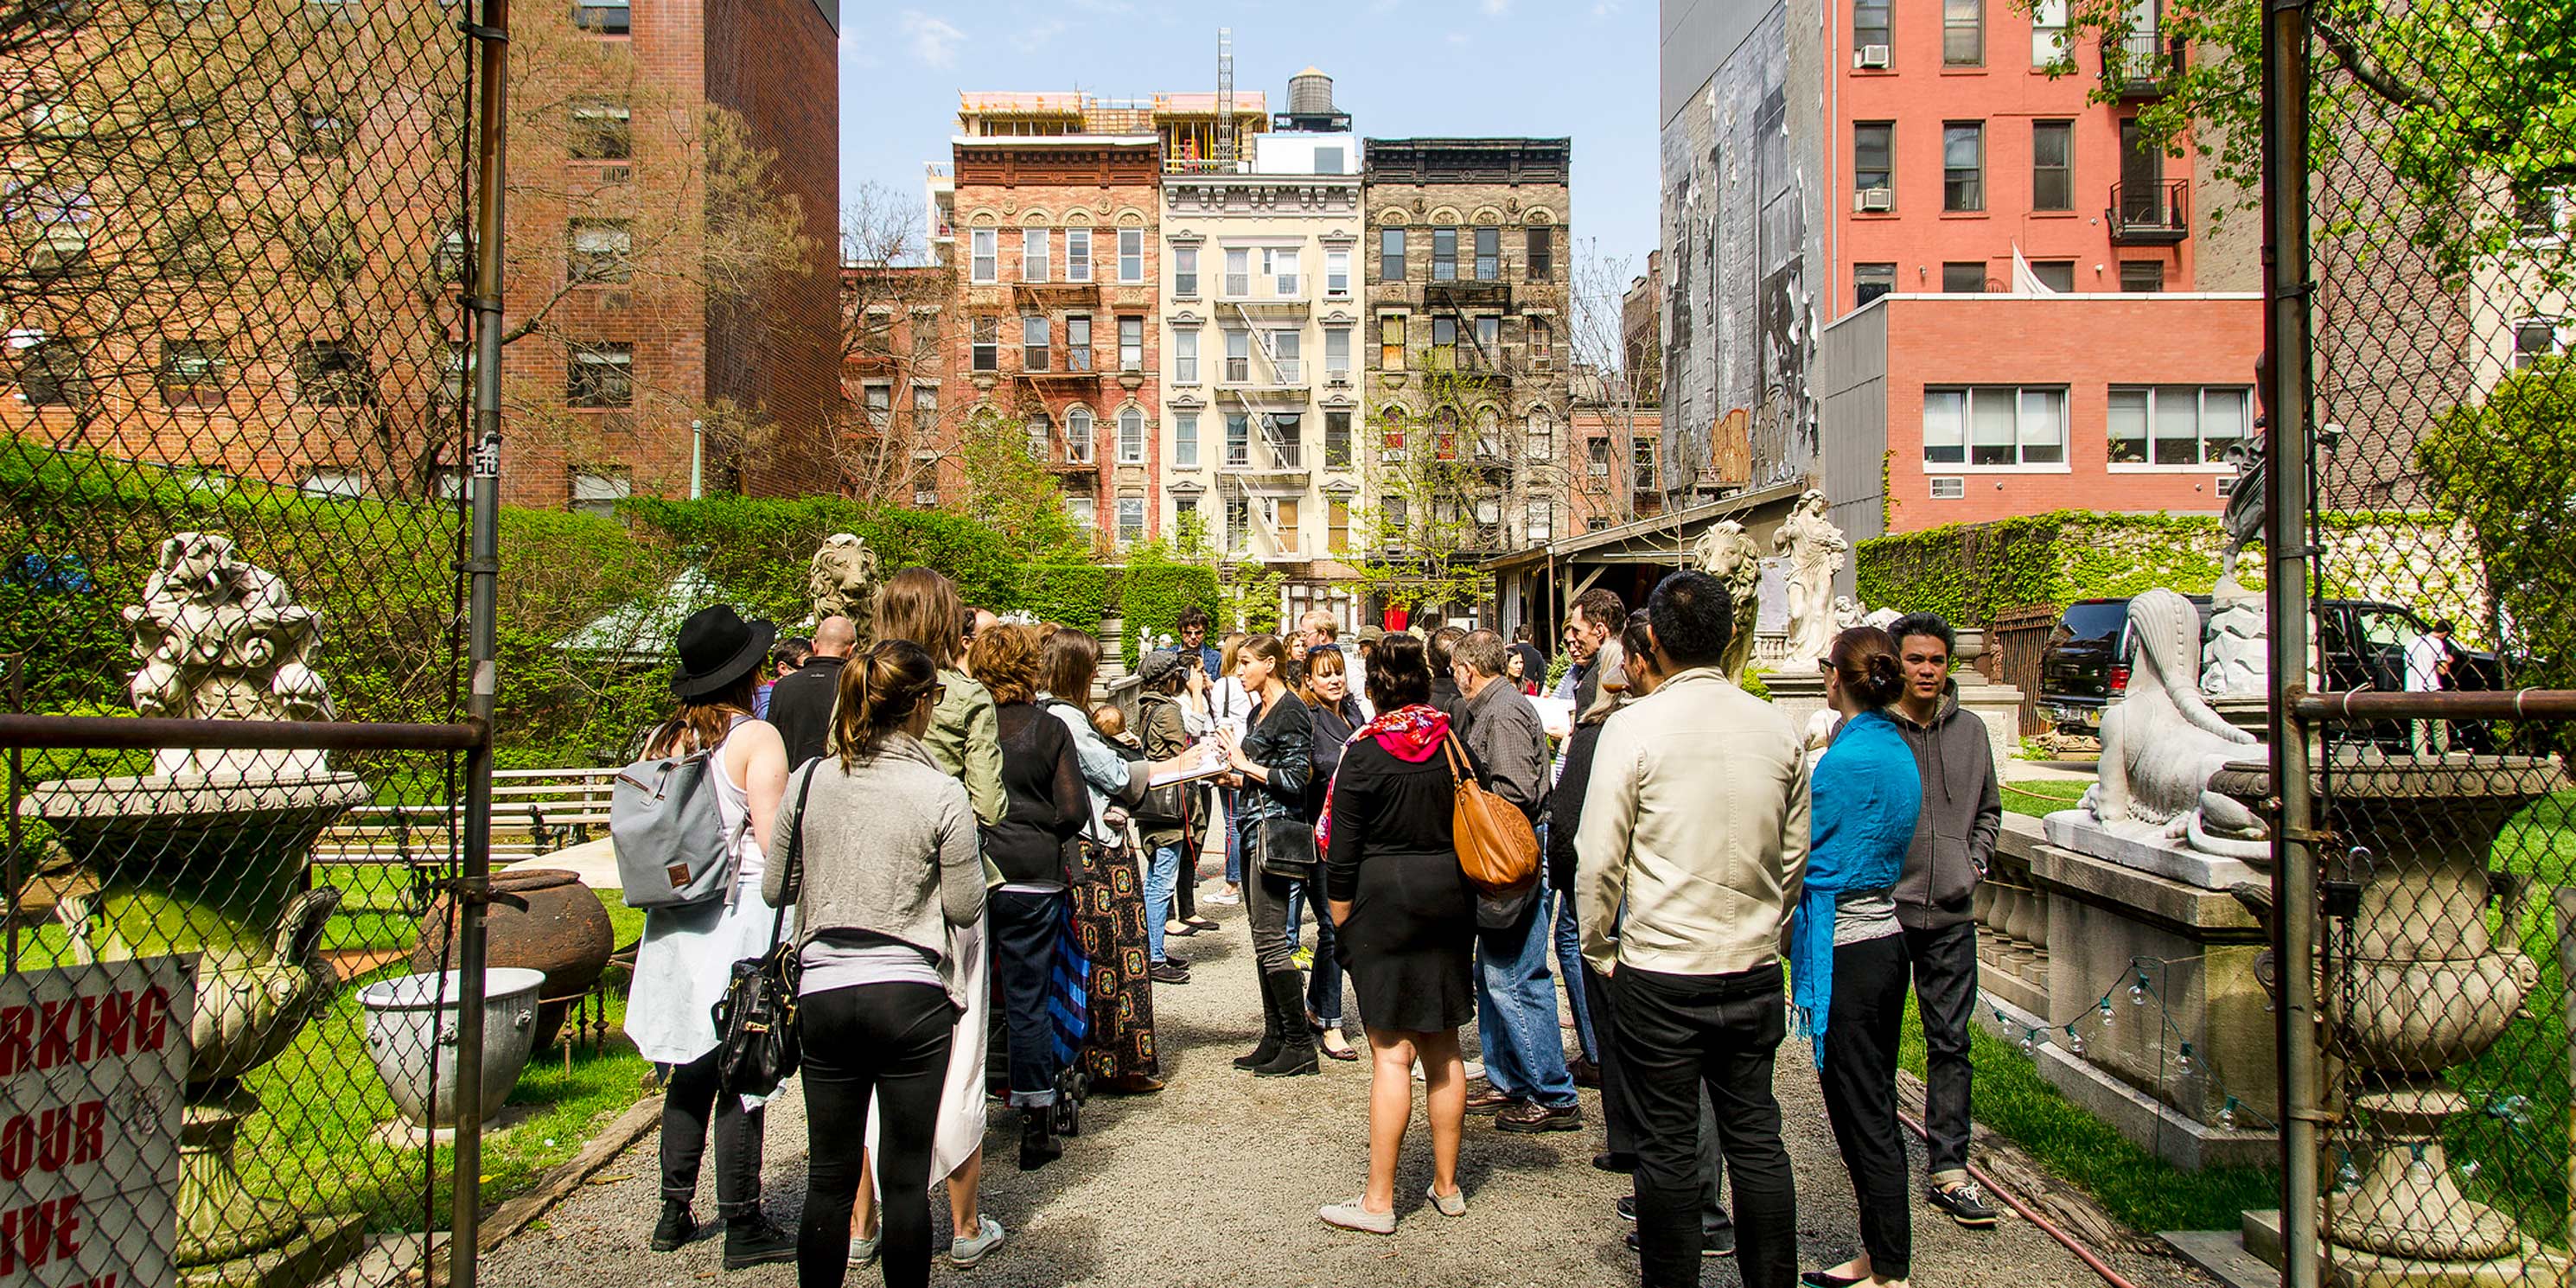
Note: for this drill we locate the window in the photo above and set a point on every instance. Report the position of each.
(1963, 33)
(1238, 272)
(2055, 274)
(1337, 352)
(2540, 205)
(1964, 277)
(925, 414)
(449, 259)
(1185, 440)
(1185, 271)
(1037, 254)
(2052, 164)
(1077, 343)
(1131, 436)
(455, 374)
(1390, 254)
(1641, 460)
(597, 491)
(1131, 344)
(606, 17)
(925, 335)
(1874, 156)
(1390, 341)
(1131, 268)
(986, 342)
(1489, 254)
(982, 254)
(1279, 264)
(1337, 525)
(1949, 487)
(1131, 520)
(877, 400)
(602, 250)
(1871, 24)
(1596, 458)
(1337, 440)
(2533, 339)
(1869, 281)
(1994, 425)
(1542, 345)
(332, 373)
(601, 375)
(192, 373)
(1337, 273)
(1286, 356)
(1078, 433)
(1077, 254)
(2177, 424)
(1084, 511)
(199, 246)
(50, 374)
(1041, 433)
(602, 131)
(2048, 47)
(1238, 357)
(1444, 254)
(1238, 438)
(1541, 434)
(1540, 248)
(321, 128)
(1444, 342)
(1287, 439)
(1284, 522)
(1185, 356)
(332, 483)
(2142, 276)
(1033, 344)
(1540, 525)
(1489, 341)
(1238, 523)
(1963, 166)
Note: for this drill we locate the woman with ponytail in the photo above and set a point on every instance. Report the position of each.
(1847, 956)
(887, 870)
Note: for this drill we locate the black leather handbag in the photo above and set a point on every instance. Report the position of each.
(756, 1018)
(1284, 847)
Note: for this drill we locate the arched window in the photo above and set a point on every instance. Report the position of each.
(1131, 436)
(1077, 436)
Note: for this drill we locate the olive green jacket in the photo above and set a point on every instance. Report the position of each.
(965, 742)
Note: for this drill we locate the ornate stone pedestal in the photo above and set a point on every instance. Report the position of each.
(1798, 694)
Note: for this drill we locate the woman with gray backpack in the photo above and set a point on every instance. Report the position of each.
(693, 826)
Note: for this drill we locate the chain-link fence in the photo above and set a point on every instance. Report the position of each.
(2429, 821)
(233, 246)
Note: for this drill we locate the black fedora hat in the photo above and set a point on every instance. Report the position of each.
(717, 648)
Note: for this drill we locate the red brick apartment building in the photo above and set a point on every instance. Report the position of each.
(281, 308)
(898, 437)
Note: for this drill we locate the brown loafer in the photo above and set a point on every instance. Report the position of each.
(1531, 1116)
(1486, 1099)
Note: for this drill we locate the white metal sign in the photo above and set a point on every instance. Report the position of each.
(93, 1064)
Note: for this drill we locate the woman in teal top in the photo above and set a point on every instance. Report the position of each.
(1848, 968)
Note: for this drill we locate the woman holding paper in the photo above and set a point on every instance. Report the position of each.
(1269, 766)
(1337, 714)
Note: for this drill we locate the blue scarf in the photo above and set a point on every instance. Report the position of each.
(1867, 795)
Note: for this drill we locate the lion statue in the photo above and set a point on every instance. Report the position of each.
(2162, 743)
(843, 581)
(1726, 552)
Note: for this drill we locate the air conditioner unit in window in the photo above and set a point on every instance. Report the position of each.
(1952, 488)
(1873, 56)
(1874, 199)
(1338, 380)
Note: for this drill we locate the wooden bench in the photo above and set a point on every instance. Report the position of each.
(534, 812)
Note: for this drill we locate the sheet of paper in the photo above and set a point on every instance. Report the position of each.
(1555, 715)
(1203, 761)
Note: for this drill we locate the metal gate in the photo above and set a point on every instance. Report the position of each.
(247, 284)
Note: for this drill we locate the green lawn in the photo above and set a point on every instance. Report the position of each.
(2040, 797)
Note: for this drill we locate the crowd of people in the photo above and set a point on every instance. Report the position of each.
(988, 876)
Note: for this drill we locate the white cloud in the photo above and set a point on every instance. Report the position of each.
(1458, 38)
(1604, 8)
(934, 40)
(1029, 40)
(1497, 8)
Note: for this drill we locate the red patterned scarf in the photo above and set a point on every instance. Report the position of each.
(1411, 734)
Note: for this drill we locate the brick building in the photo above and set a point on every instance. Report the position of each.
(897, 435)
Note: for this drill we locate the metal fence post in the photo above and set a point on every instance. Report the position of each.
(2294, 854)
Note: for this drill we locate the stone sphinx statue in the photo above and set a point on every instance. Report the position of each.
(1816, 550)
(842, 578)
(220, 639)
(1727, 553)
(2163, 742)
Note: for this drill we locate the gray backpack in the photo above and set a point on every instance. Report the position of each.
(672, 849)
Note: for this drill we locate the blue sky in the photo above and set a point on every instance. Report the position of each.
(1579, 68)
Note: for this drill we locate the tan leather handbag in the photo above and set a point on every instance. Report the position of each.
(1497, 848)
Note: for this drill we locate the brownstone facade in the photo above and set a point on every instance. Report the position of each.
(898, 428)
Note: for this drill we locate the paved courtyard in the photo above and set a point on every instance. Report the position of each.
(1215, 1182)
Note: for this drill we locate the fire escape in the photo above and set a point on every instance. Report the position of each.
(1479, 287)
(1072, 373)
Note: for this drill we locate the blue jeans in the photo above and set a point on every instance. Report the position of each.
(1233, 843)
(1516, 1012)
(1569, 971)
(1324, 978)
(1162, 877)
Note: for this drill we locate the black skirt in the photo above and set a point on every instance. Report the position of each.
(1410, 945)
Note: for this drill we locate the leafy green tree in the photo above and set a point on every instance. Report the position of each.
(1247, 591)
(1422, 535)
(1011, 491)
(2507, 467)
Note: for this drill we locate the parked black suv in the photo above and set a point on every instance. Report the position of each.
(2085, 664)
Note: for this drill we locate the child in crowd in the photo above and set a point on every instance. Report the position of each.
(1112, 724)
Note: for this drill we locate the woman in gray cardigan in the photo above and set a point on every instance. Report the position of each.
(888, 862)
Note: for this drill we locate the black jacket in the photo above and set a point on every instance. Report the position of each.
(1565, 805)
(800, 704)
(1050, 804)
(1282, 741)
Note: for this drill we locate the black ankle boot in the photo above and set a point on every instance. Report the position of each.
(1274, 1030)
(675, 1227)
(1038, 1144)
(755, 1240)
(1284, 989)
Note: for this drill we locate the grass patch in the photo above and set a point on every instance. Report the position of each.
(2041, 797)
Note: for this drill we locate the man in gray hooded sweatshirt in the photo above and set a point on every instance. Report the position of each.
(1954, 844)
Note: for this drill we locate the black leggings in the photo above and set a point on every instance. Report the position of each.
(889, 1042)
(1860, 1095)
(689, 1097)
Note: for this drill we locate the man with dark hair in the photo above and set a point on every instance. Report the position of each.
(1193, 627)
(1530, 1087)
(1954, 843)
(1595, 616)
(1533, 658)
(1691, 852)
(801, 704)
(1438, 651)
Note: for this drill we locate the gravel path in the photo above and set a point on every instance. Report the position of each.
(1216, 1180)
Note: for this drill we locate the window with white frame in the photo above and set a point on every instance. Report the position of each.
(1283, 516)
(985, 340)
(1041, 436)
(1033, 343)
(1287, 439)
(1286, 356)
(2048, 46)
(1540, 525)
(1279, 264)
(597, 491)
(1131, 520)
(1131, 436)
(1131, 255)
(1238, 524)
(1949, 487)
(983, 254)
(1077, 436)
(1037, 254)
(1238, 272)
(1185, 440)
(1131, 344)
(878, 399)
(1077, 254)
(1185, 271)
(1337, 351)
(347, 483)
(2177, 424)
(1084, 511)
(1185, 356)
(1337, 273)
(1996, 426)
(1238, 438)
(2533, 340)
(1542, 435)
(1238, 357)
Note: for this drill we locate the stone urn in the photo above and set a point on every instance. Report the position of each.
(541, 919)
(405, 1014)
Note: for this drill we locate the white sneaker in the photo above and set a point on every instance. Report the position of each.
(1221, 897)
(964, 1253)
(862, 1251)
(1354, 1215)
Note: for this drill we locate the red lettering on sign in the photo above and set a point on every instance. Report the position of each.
(50, 1140)
(79, 1029)
(151, 1019)
(39, 1234)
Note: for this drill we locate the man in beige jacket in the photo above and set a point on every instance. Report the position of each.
(1693, 842)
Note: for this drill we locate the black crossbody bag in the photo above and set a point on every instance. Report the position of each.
(756, 1018)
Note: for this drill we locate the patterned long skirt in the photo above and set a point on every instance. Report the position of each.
(1109, 916)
